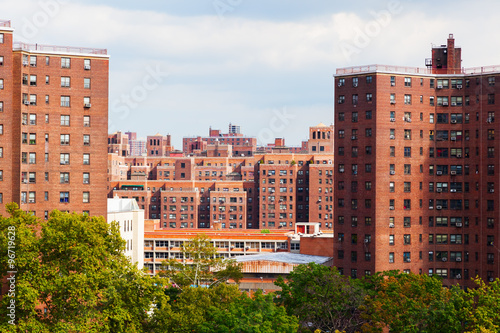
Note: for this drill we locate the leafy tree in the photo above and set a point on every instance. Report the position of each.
(413, 303)
(249, 315)
(322, 299)
(223, 308)
(73, 265)
(201, 265)
(483, 314)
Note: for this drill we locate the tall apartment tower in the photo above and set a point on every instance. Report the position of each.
(416, 169)
(53, 126)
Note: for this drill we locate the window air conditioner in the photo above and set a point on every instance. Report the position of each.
(439, 207)
(458, 224)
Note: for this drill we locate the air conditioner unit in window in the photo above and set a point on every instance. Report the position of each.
(459, 86)
(440, 86)
(459, 155)
(391, 225)
(392, 172)
(391, 207)
(439, 207)
(87, 67)
(353, 137)
(393, 119)
(458, 224)
(439, 173)
(453, 103)
(392, 137)
(366, 241)
(453, 139)
(491, 279)
(31, 200)
(354, 85)
(453, 190)
(453, 121)
(393, 101)
(458, 259)
(453, 173)
(25, 63)
(86, 105)
(26, 102)
(444, 259)
(445, 103)
(439, 190)
(408, 260)
(492, 190)
(431, 207)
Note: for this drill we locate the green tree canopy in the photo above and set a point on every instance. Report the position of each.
(322, 299)
(201, 266)
(412, 303)
(73, 265)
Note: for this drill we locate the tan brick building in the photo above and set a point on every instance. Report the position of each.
(53, 126)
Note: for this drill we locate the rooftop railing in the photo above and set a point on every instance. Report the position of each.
(413, 70)
(52, 48)
(5, 23)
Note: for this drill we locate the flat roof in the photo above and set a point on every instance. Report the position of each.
(286, 257)
(408, 70)
(60, 50)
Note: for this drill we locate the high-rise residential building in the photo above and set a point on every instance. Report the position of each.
(416, 169)
(53, 126)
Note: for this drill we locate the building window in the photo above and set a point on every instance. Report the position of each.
(369, 97)
(86, 159)
(407, 81)
(86, 83)
(32, 158)
(407, 151)
(64, 120)
(1, 38)
(408, 99)
(64, 158)
(65, 101)
(64, 178)
(65, 81)
(86, 102)
(65, 62)
(64, 197)
(86, 121)
(64, 139)
(491, 98)
(86, 197)
(86, 64)
(86, 140)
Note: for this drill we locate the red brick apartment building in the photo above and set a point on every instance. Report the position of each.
(53, 126)
(241, 145)
(416, 169)
(270, 191)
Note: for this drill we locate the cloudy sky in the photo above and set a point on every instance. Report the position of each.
(266, 65)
